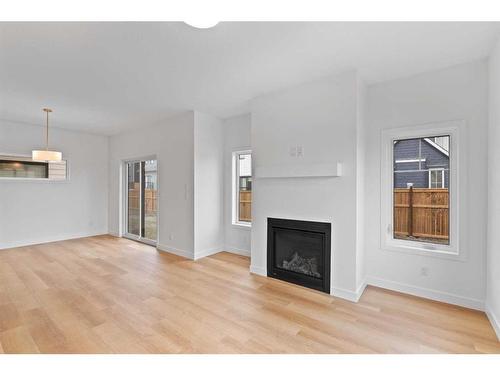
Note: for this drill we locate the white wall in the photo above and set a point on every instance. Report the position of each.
(172, 143)
(41, 211)
(360, 186)
(322, 117)
(493, 248)
(456, 93)
(208, 185)
(236, 138)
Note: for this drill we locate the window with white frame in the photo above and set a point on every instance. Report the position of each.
(420, 189)
(436, 178)
(242, 192)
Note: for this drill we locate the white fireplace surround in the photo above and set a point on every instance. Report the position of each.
(338, 123)
(321, 119)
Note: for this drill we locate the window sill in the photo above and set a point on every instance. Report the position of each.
(423, 249)
(241, 225)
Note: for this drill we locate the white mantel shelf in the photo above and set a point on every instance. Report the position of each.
(299, 170)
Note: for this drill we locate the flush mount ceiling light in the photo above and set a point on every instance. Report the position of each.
(202, 24)
(46, 155)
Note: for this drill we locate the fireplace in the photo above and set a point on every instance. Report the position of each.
(299, 252)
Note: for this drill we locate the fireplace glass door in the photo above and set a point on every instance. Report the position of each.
(299, 252)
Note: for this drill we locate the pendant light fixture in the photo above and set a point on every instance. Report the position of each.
(46, 155)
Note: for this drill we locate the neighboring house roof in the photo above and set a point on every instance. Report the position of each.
(433, 144)
(415, 158)
(437, 147)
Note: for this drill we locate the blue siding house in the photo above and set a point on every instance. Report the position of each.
(422, 163)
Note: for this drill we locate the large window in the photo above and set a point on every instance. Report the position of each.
(419, 195)
(242, 176)
(21, 167)
(421, 207)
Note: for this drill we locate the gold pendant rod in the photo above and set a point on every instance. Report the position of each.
(47, 111)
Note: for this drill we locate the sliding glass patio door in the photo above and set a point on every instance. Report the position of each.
(141, 201)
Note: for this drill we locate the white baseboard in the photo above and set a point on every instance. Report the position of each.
(189, 254)
(207, 252)
(39, 241)
(349, 295)
(494, 320)
(237, 251)
(175, 251)
(258, 270)
(114, 234)
(435, 295)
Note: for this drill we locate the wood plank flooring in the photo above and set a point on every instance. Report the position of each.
(109, 295)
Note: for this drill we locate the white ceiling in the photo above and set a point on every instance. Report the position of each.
(109, 77)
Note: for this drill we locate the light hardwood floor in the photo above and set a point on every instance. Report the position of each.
(108, 295)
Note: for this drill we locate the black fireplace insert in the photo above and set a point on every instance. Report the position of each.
(299, 252)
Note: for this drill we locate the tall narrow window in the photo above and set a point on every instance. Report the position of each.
(420, 187)
(134, 198)
(421, 199)
(243, 188)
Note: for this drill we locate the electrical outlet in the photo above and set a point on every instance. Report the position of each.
(293, 151)
(171, 236)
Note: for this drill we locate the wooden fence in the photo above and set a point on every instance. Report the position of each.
(245, 211)
(150, 199)
(421, 213)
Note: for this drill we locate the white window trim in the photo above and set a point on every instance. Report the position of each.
(442, 177)
(457, 196)
(235, 189)
(410, 160)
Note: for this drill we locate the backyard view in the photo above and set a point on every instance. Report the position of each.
(150, 204)
(245, 187)
(421, 189)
